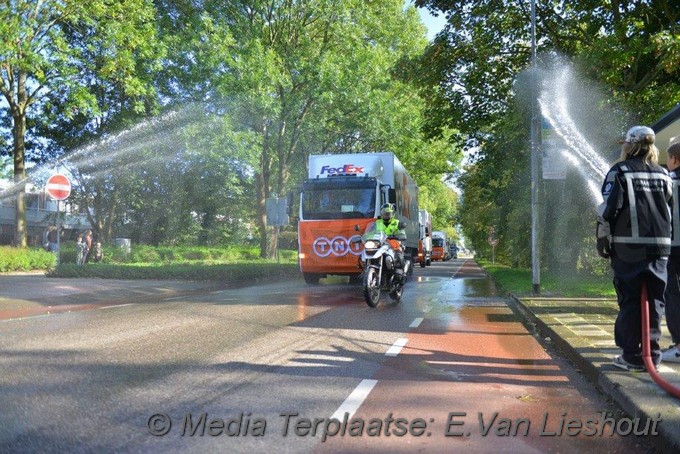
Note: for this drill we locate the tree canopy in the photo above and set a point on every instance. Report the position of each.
(476, 79)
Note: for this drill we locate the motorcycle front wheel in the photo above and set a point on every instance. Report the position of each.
(396, 294)
(371, 287)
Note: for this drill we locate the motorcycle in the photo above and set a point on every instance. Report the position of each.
(378, 260)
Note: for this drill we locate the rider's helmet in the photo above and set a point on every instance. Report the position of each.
(386, 211)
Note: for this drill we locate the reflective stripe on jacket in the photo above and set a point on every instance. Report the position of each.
(636, 205)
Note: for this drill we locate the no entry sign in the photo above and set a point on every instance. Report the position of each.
(58, 187)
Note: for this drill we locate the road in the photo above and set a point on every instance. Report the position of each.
(260, 369)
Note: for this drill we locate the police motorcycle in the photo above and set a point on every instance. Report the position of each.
(378, 263)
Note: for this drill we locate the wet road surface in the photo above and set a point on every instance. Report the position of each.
(256, 369)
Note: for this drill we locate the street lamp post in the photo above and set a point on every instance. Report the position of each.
(535, 265)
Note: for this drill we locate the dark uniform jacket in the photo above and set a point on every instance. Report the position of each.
(636, 208)
(675, 239)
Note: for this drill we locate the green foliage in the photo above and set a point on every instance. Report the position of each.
(237, 274)
(475, 79)
(518, 281)
(65, 64)
(25, 259)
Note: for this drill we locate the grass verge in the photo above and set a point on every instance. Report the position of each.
(519, 283)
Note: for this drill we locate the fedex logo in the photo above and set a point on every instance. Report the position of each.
(346, 169)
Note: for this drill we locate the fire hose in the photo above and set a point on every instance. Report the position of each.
(646, 353)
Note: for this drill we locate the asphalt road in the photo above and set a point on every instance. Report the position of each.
(264, 369)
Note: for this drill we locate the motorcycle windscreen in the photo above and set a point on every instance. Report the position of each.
(326, 247)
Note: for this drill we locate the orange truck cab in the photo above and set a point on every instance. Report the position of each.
(342, 194)
(439, 246)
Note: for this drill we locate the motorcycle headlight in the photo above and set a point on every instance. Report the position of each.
(371, 245)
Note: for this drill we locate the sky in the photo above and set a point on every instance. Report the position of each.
(433, 24)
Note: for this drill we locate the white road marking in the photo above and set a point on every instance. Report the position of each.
(416, 323)
(355, 399)
(116, 305)
(26, 318)
(396, 347)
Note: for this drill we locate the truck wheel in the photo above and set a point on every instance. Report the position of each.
(311, 278)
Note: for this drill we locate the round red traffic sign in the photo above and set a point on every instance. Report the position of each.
(58, 187)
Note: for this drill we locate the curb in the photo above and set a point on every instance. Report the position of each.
(615, 385)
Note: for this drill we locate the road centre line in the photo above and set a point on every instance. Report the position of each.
(397, 346)
(355, 399)
(26, 318)
(116, 305)
(461, 265)
(416, 323)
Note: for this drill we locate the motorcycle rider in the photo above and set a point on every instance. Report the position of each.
(391, 226)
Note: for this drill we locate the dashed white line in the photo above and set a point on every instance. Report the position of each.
(355, 399)
(416, 323)
(116, 305)
(397, 346)
(26, 318)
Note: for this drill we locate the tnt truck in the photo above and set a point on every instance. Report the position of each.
(424, 256)
(440, 248)
(342, 195)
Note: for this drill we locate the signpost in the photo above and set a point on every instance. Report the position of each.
(59, 188)
(277, 216)
(493, 241)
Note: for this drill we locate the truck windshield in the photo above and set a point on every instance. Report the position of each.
(338, 203)
(437, 242)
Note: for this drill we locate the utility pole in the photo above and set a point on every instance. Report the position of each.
(535, 130)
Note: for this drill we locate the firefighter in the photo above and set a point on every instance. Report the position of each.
(672, 294)
(634, 231)
(389, 224)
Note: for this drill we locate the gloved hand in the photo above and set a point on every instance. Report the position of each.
(604, 249)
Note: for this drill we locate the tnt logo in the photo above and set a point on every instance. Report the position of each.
(338, 246)
(343, 170)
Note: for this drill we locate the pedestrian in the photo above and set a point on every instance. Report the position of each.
(50, 238)
(634, 231)
(97, 253)
(672, 294)
(88, 241)
(81, 250)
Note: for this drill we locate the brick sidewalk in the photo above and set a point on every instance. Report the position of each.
(583, 328)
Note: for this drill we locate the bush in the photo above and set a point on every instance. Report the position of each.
(162, 262)
(25, 259)
(230, 274)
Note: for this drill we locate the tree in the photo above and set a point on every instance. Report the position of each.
(47, 47)
(477, 86)
(631, 47)
(298, 77)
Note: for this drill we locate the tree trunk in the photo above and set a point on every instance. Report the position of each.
(19, 133)
(263, 181)
(108, 224)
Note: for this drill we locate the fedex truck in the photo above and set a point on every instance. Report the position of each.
(424, 256)
(344, 193)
